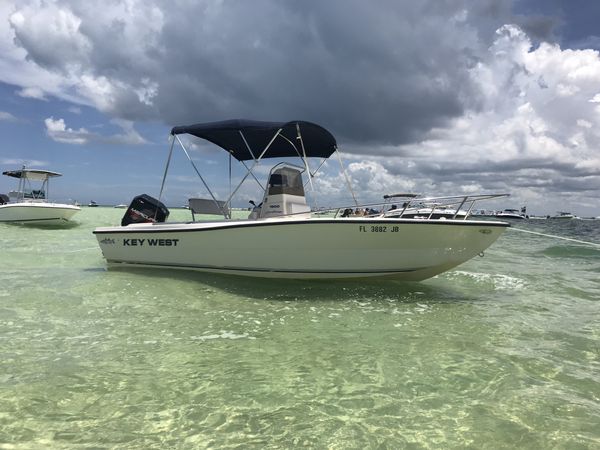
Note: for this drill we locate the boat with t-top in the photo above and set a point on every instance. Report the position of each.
(29, 205)
(282, 237)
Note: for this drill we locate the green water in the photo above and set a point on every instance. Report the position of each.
(503, 352)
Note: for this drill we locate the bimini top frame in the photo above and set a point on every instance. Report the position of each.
(250, 140)
(247, 140)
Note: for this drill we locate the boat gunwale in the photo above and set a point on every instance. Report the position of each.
(221, 225)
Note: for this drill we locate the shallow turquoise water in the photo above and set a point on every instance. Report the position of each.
(503, 352)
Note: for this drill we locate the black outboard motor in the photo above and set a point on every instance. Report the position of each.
(145, 209)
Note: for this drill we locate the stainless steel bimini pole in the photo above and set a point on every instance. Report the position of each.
(244, 164)
(225, 213)
(21, 188)
(46, 188)
(172, 139)
(256, 161)
(346, 176)
(299, 137)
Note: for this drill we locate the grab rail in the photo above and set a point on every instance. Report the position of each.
(413, 205)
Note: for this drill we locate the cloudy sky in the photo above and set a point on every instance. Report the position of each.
(430, 96)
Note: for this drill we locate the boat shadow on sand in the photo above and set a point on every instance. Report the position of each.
(305, 290)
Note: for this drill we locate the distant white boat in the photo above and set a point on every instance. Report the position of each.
(512, 214)
(29, 205)
(92, 204)
(121, 206)
(563, 215)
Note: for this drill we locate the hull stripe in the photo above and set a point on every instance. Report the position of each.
(242, 269)
(436, 222)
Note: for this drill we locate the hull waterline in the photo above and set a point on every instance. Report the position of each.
(404, 249)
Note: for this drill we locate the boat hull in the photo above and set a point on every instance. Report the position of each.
(406, 249)
(37, 213)
(502, 216)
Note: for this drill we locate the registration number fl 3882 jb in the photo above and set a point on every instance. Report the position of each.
(378, 228)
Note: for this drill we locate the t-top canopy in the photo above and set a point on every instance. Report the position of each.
(318, 142)
(32, 174)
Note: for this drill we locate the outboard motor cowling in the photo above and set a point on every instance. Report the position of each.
(145, 209)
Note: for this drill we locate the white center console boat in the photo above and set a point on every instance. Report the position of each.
(29, 206)
(282, 238)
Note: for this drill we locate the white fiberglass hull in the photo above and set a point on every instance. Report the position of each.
(37, 213)
(408, 249)
(509, 217)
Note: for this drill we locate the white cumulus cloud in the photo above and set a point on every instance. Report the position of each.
(58, 131)
(8, 117)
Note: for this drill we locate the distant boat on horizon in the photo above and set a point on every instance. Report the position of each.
(512, 214)
(562, 215)
(92, 204)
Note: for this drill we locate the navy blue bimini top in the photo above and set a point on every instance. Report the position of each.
(318, 142)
